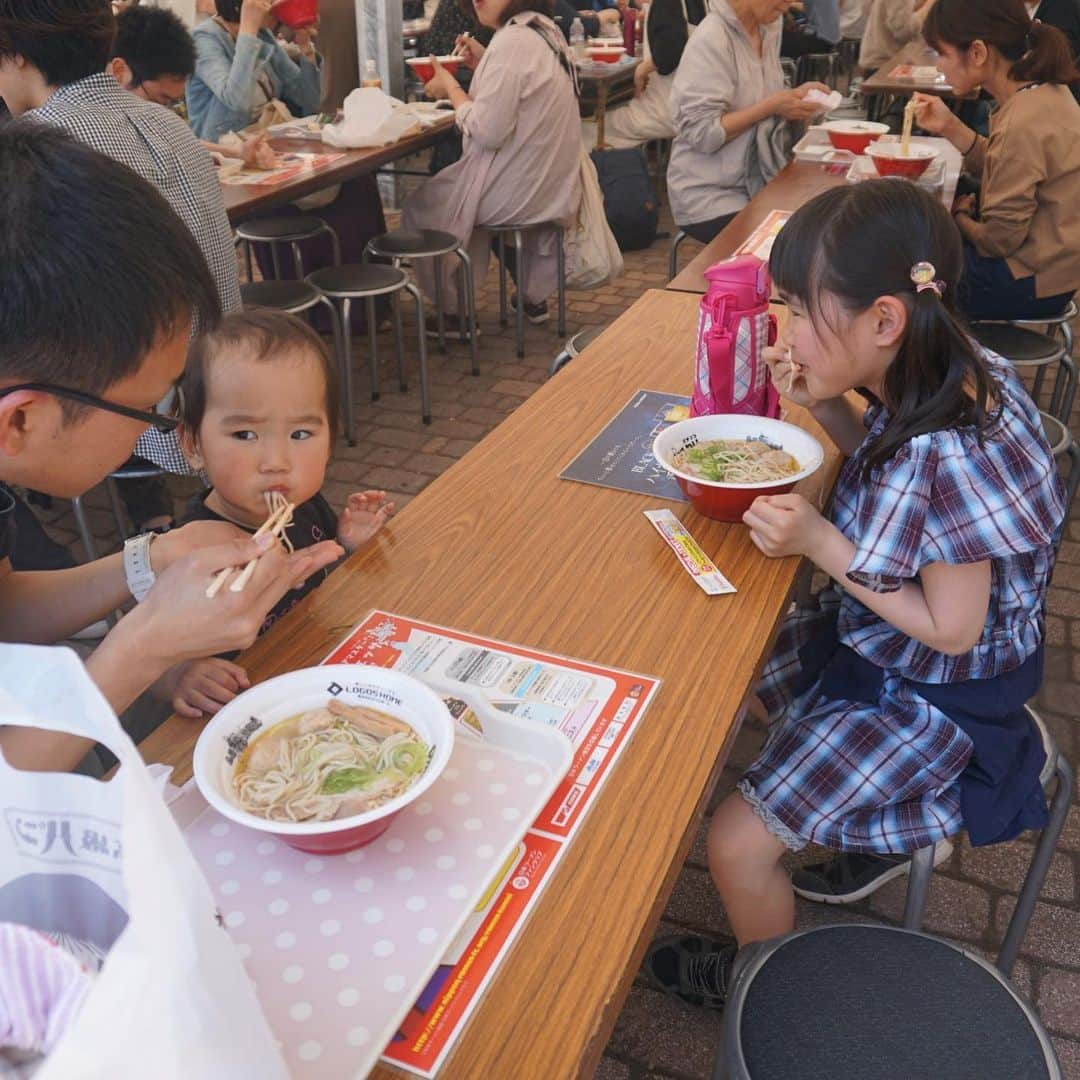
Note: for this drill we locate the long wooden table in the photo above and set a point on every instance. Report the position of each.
(883, 86)
(244, 200)
(795, 184)
(501, 547)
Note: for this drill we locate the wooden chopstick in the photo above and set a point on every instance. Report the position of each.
(271, 524)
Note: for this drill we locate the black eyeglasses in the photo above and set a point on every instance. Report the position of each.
(154, 419)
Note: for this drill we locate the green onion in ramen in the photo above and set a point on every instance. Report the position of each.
(736, 461)
(333, 762)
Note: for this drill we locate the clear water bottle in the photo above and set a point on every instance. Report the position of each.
(577, 39)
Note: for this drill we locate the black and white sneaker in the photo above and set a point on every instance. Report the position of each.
(847, 878)
(535, 313)
(695, 969)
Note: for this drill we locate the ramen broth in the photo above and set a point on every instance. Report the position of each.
(736, 461)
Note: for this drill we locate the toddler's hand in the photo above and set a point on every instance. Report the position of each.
(782, 525)
(366, 513)
(205, 685)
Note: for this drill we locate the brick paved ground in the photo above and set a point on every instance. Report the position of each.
(973, 892)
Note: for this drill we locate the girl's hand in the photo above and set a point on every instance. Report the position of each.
(257, 153)
(782, 525)
(204, 686)
(470, 50)
(304, 40)
(366, 513)
(442, 82)
(781, 367)
(253, 16)
(964, 204)
(931, 113)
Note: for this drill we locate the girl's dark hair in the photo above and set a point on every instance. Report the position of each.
(1039, 52)
(515, 7)
(229, 10)
(859, 242)
(95, 266)
(66, 40)
(260, 333)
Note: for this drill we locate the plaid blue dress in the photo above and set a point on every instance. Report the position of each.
(881, 771)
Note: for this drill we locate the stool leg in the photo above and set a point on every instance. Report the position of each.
(425, 389)
(1073, 454)
(461, 317)
(502, 280)
(348, 402)
(1061, 402)
(83, 525)
(117, 507)
(335, 243)
(560, 261)
(298, 259)
(373, 345)
(439, 322)
(247, 260)
(276, 259)
(469, 292)
(519, 258)
(922, 867)
(399, 334)
(1040, 863)
(339, 353)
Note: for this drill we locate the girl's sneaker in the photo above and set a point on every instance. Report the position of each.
(695, 969)
(847, 878)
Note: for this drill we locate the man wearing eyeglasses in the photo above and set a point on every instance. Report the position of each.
(99, 281)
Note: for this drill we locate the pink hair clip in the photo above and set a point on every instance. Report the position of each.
(925, 277)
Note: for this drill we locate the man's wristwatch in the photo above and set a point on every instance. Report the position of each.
(137, 568)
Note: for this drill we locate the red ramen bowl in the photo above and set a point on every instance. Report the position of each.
(424, 69)
(853, 135)
(605, 54)
(725, 501)
(889, 161)
(296, 13)
(228, 734)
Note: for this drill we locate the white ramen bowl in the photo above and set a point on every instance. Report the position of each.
(247, 716)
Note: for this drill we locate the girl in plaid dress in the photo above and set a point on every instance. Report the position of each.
(897, 709)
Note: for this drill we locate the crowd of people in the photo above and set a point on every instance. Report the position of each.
(119, 283)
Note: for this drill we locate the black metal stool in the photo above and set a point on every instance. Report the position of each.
(673, 257)
(1062, 324)
(284, 230)
(575, 346)
(872, 1002)
(290, 296)
(517, 234)
(1028, 348)
(366, 281)
(408, 245)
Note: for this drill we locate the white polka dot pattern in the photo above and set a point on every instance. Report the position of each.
(338, 945)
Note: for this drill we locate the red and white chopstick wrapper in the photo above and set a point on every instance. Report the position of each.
(695, 562)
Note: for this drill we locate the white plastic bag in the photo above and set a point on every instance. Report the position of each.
(592, 255)
(172, 1000)
(372, 118)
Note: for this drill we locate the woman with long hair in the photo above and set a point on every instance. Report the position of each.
(1022, 235)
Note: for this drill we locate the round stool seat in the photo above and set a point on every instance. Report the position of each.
(1071, 312)
(875, 1002)
(1057, 434)
(285, 229)
(133, 471)
(583, 338)
(291, 296)
(358, 280)
(1017, 345)
(419, 243)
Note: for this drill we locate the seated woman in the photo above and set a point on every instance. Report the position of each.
(729, 107)
(1022, 245)
(240, 66)
(521, 148)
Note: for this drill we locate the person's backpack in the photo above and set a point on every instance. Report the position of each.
(630, 203)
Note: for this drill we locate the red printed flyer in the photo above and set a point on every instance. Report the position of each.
(760, 241)
(598, 708)
(292, 165)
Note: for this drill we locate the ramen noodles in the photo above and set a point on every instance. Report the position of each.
(736, 461)
(331, 762)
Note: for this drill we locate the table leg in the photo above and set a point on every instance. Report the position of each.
(601, 111)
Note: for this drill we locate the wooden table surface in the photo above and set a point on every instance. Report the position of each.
(795, 184)
(918, 54)
(499, 546)
(244, 200)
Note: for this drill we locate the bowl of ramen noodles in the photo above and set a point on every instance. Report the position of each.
(605, 54)
(324, 758)
(424, 69)
(724, 462)
(890, 158)
(853, 135)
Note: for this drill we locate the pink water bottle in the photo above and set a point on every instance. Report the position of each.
(734, 326)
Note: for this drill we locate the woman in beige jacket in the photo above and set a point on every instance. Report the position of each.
(1022, 245)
